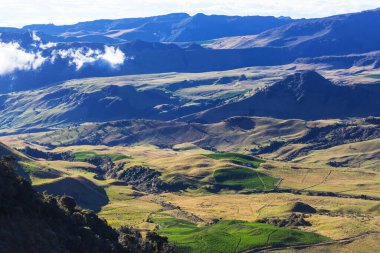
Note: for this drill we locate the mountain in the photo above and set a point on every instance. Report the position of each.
(341, 34)
(176, 27)
(305, 95)
(33, 222)
(154, 96)
(81, 102)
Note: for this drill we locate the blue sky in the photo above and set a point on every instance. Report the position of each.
(21, 12)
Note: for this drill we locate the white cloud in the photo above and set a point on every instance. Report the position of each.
(23, 12)
(82, 56)
(13, 57)
(48, 45)
(114, 56)
(77, 57)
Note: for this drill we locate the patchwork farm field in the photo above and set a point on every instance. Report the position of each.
(228, 236)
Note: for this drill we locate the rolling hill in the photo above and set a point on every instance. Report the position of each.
(230, 134)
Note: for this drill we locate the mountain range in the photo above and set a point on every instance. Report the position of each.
(49, 57)
(176, 27)
(342, 34)
(305, 95)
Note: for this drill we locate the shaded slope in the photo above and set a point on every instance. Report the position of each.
(342, 34)
(305, 95)
(69, 103)
(40, 223)
(31, 222)
(87, 194)
(7, 151)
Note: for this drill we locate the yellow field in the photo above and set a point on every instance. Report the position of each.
(365, 244)
(350, 217)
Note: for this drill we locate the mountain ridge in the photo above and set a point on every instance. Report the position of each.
(304, 95)
(174, 27)
(339, 34)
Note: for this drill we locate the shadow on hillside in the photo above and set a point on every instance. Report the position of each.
(87, 194)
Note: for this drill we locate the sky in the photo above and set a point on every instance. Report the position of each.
(17, 13)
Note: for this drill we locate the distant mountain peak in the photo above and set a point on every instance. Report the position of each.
(307, 78)
(301, 84)
(307, 75)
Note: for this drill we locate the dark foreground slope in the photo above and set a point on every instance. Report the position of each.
(31, 222)
(305, 95)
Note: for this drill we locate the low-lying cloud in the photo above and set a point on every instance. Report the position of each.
(79, 57)
(13, 57)
(114, 56)
(39, 43)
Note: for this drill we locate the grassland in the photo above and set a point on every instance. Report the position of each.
(86, 155)
(365, 244)
(228, 236)
(350, 181)
(243, 177)
(236, 158)
(346, 217)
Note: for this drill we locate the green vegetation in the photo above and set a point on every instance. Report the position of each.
(228, 236)
(29, 166)
(243, 177)
(86, 155)
(236, 158)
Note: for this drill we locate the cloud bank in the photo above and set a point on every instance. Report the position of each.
(13, 57)
(79, 57)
